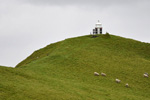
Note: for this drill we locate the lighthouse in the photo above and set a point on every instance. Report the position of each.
(98, 28)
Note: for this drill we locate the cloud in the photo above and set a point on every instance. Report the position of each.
(81, 2)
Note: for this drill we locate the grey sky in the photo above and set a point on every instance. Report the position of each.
(28, 25)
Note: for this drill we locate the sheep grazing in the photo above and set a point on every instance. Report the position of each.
(126, 85)
(96, 74)
(118, 81)
(103, 74)
(145, 75)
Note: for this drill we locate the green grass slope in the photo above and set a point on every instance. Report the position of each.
(64, 71)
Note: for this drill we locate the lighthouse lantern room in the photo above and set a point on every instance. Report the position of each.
(98, 28)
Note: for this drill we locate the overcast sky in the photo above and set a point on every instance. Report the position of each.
(28, 25)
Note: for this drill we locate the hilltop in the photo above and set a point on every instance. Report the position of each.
(64, 71)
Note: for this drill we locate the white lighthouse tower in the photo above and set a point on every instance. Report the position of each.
(98, 28)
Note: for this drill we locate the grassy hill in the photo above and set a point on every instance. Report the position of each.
(64, 71)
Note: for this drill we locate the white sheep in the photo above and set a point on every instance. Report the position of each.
(103, 74)
(96, 74)
(145, 75)
(127, 85)
(118, 81)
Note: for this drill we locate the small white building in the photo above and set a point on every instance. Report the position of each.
(98, 28)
